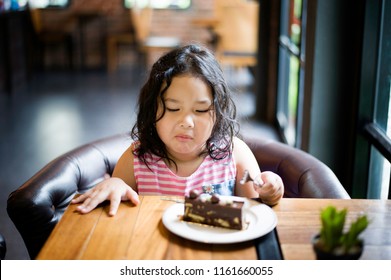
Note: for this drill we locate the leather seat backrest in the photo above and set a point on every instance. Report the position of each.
(304, 176)
(38, 205)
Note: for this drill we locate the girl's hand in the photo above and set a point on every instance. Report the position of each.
(113, 189)
(270, 187)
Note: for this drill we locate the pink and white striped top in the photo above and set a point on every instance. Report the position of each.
(212, 176)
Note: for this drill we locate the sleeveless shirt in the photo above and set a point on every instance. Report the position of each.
(212, 176)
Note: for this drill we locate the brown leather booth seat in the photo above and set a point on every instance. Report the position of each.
(37, 205)
(304, 176)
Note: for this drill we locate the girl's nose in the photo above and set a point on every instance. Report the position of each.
(187, 121)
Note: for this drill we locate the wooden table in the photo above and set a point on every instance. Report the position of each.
(138, 232)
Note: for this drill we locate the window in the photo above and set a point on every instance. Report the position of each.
(290, 70)
(386, 165)
(159, 4)
(41, 4)
(386, 180)
(12, 5)
(373, 146)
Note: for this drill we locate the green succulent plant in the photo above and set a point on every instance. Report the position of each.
(332, 238)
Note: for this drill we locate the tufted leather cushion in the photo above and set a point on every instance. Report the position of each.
(37, 205)
(303, 175)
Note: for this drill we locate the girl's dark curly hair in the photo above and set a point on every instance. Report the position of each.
(199, 62)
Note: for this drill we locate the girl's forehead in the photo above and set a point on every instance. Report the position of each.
(185, 77)
(187, 87)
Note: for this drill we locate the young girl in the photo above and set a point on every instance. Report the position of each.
(185, 138)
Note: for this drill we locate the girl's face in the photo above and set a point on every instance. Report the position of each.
(189, 118)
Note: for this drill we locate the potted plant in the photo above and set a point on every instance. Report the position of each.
(332, 242)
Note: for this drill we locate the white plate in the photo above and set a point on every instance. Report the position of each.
(261, 220)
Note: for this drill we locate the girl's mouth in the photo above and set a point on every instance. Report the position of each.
(183, 137)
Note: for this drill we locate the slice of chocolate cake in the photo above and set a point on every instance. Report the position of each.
(214, 210)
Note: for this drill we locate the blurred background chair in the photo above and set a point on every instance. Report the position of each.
(152, 45)
(58, 39)
(114, 42)
(236, 29)
(37, 206)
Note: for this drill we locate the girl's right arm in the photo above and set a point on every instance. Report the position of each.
(114, 189)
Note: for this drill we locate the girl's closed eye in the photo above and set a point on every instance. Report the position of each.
(203, 111)
(197, 110)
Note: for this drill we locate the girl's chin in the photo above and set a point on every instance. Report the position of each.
(181, 150)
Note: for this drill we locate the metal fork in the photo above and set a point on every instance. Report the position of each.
(247, 178)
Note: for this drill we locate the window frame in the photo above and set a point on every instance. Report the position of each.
(170, 7)
(51, 5)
